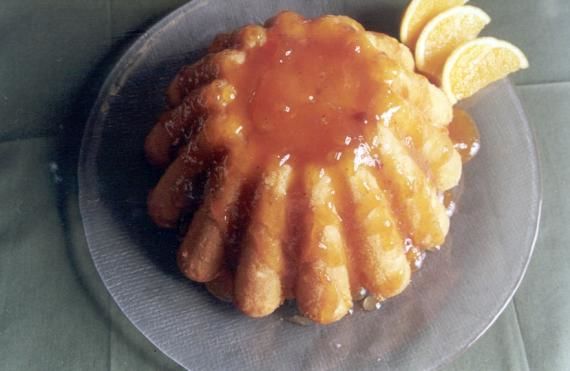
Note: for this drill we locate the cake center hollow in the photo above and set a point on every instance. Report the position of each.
(310, 91)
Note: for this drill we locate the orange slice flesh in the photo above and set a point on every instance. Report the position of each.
(444, 33)
(418, 14)
(477, 63)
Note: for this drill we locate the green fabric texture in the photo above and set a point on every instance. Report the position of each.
(55, 313)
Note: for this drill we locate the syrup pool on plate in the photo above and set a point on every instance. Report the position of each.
(464, 134)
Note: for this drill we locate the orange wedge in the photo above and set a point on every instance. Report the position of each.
(477, 63)
(444, 33)
(418, 14)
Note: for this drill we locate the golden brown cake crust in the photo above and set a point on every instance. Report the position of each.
(325, 157)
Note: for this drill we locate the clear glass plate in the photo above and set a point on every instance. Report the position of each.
(455, 297)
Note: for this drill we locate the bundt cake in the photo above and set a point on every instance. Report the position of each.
(311, 159)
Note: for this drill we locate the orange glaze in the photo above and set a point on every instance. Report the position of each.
(309, 101)
(449, 202)
(464, 134)
(305, 100)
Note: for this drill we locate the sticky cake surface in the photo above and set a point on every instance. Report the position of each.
(325, 158)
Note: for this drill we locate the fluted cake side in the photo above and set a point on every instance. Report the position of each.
(325, 157)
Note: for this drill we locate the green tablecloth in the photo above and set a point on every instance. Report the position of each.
(55, 313)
